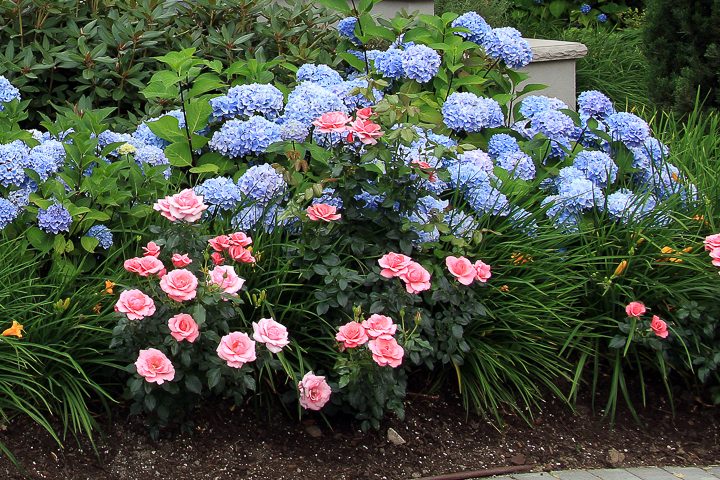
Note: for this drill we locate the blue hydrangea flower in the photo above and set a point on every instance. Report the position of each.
(328, 140)
(308, 101)
(519, 164)
(220, 192)
(581, 193)
(319, 74)
(248, 100)
(502, 143)
(465, 111)
(371, 201)
(524, 221)
(567, 175)
(585, 8)
(389, 63)
(329, 197)
(103, 234)
(152, 156)
(602, 18)
(477, 158)
(294, 131)
(555, 126)
(346, 28)
(563, 214)
(53, 149)
(352, 93)
(628, 128)
(262, 183)
(54, 219)
(237, 138)
(265, 217)
(20, 198)
(440, 139)
(465, 176)
(475, 23)
(8, 92)
(420, 63)
(42, 164)
(598, 167)
(461, 224)
(625, 206)
(592, 103)
(652, 153)
(507, 44)
(8, 212)
(13, 161)
(535, 104)
(487, 199)
(144, 135)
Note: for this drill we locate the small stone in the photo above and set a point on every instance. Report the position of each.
(518, 459)
(416, 475)
(314, 431)
(394, 437)
(615, 457)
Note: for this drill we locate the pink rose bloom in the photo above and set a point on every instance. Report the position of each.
(152, 250)
(135, 304)
(271, 333)
(715, 255)
(352, 335)
(332, 122)
(482, 271)
(226, 278)
(185, 206)
(426, 167)
(366, 131)
(394, 264)
(217, 258)
(154, 366)
(183, 327)
(377, 325)
(181, 261)
(386, 351)
(145, 266)
(712, 242)
(321, 211)
(220, 243)
(180, 285)
(416, 278)
(635, 309)
(659, 327)
(236, 349)
(462, 269)
(239, 239)
(240, 254)
(314, 391)
(364, 113)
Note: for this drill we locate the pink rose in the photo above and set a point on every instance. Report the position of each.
(240, 254)
(239, 239)
(181, 261)
(635, 309)
(154, 366)
(715, 255)
(135, 304)
(394, 264)
(386, 351)
(482, 271)
(462, 269)
(183, 327)
(220, 243)
(271, 333)
(217, 258)
(314, 391)
(226, 278)
(332, 122)
(366, 131)
(180, 285)
(427, 168)
(352, 335)
(321, 211)
(145, 266)
(152, 250)
(712, 242)
(236, 349)
(364, 113)
(377, 325)
(185, 206)
(659, 327)
(416, 278)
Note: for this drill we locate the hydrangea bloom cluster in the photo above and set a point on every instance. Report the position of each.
(144, 135)
(502, 143)
(389, 63)
(8, 212)
(466, 112)
(238, 138)
(262, 184)
(54, 219)
(420, 63)
(294, 131)
(476, 25)
(13, 161)
(319, 74)
(309, 100)
(536, 104)
(628, 128)
(220, 192)
(248, 100)
(519, 164)
(346, 28)
(8, 92)
(585, 8)
(625, 206)
(597, 166)
(103, 235)
(595, 104)
(152, 156)
(507, 44)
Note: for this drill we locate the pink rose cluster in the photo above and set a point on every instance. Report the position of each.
(182, 207)
(365, 130)
(378, 332)
(466, 272)
(236, 246)
(237, 349)
(414, 275)
(657, 325)
(712, 245)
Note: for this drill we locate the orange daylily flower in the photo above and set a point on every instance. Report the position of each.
(620, 268)
(109, 287)
(519, 258)
(504, 288)
(14, 331)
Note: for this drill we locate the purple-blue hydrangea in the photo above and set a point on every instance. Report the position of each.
(476, 25)
(487, 199)
(507, 44)
(322, 75)
(652, 151)
(308, 101)
(266, 217)
(145, 135)
(13, 161)
(535, 104)
(519, 164)
(477, 158)
(8, 92)
(262, 183)
(628, 128)
(465, 176)
(43, 164)
(440, 139)
(625, 206)
(152, 156)
(581, 193)
(53, 149)
(346, 28)
(8, 212)
(370, 200)
(465, 111)
(420, 63)
(585, 8)
(461, 224)
(555, 126)
(103, 235)
(54, 219)
(563, 214)
(294, 131)
(524, 221)
(592, 103)
(328, 140)
(20, 198)
(602, 18)
(502, 143)
(567, 175)
(352, 93)
(220, 192)
(329, 197)
(597, 166)
(238, 138)
(389, 63)
(248, 100)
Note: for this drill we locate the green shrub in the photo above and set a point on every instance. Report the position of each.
(495, 12)
(536, 16)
